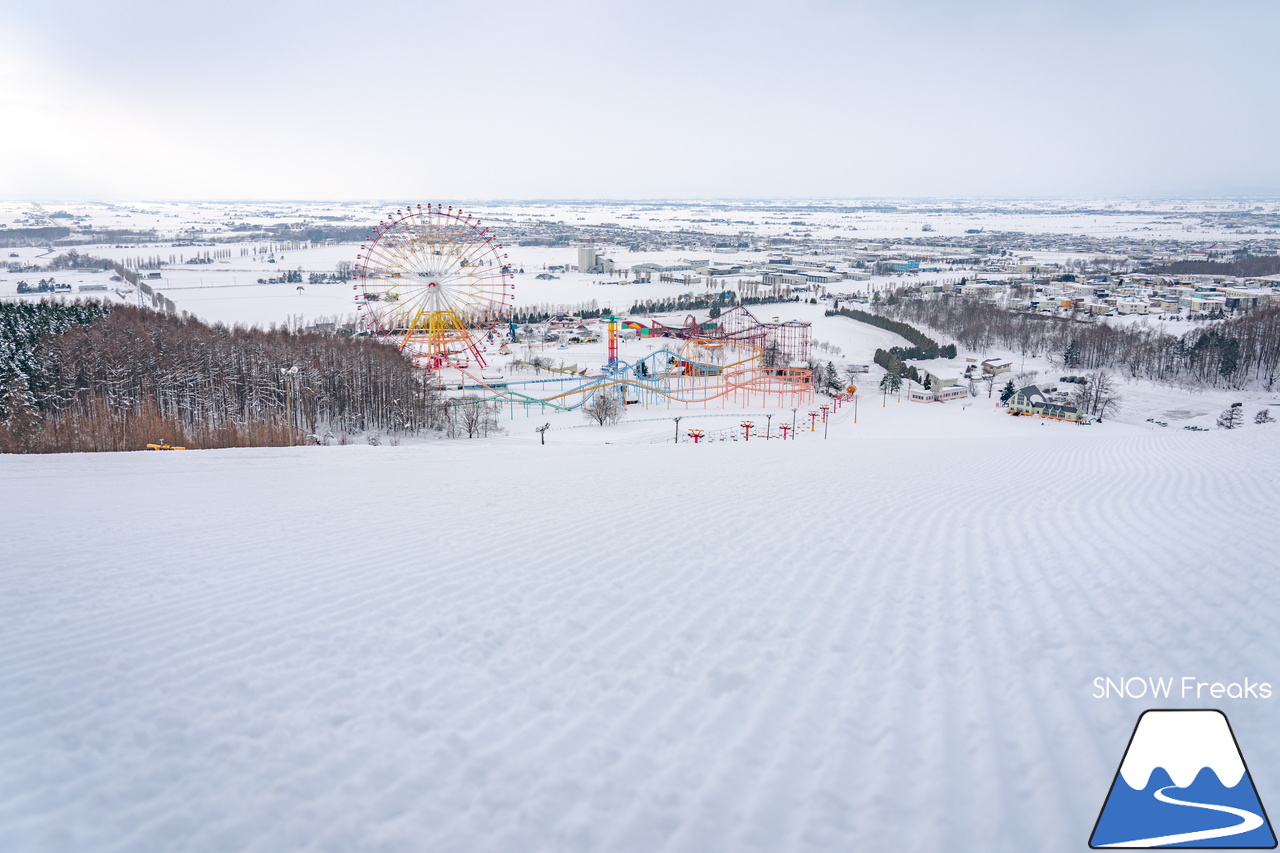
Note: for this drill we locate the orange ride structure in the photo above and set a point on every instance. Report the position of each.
(735, 360)
(437, 283)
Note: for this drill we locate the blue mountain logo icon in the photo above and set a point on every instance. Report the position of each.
(1183, 783)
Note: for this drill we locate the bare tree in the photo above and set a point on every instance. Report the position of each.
(1096, 393)
(604, 407)
(1082, 397)
(771, 355)
(472, 417)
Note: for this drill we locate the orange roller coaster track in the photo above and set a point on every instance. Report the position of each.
(702, 372)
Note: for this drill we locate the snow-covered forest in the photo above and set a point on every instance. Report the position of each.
(80, 377)
(1230, 353)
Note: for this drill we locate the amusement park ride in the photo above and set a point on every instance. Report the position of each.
(438, 284)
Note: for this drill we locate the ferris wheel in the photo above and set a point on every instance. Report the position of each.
(435, 281)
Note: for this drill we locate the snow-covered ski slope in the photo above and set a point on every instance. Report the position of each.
(881, 643)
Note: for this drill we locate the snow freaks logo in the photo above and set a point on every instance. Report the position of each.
(1188, 687)
(1182, 783)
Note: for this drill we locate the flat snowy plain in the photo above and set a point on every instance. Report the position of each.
(881, 641)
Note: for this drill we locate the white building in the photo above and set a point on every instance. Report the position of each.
(586, 258)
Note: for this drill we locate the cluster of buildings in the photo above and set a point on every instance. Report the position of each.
(1121, 294)
(1138, 294)
(778, 275)
(941, 380)
(1018, 282)
(1030, 400)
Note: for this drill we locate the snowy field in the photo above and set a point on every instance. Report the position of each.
(860, 219)
(227, 290)
(882, 641)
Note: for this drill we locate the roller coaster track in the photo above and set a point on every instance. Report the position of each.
(708, 382)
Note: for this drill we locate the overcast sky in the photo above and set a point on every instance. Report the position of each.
(470, 99)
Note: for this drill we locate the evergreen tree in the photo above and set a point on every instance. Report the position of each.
(1230, 358)
(1006, 393)
(21, 418)
(1263, 417)
(1231, 417)
(890, 383)
(1071, 356)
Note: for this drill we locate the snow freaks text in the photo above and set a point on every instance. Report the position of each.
(1186, 687)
